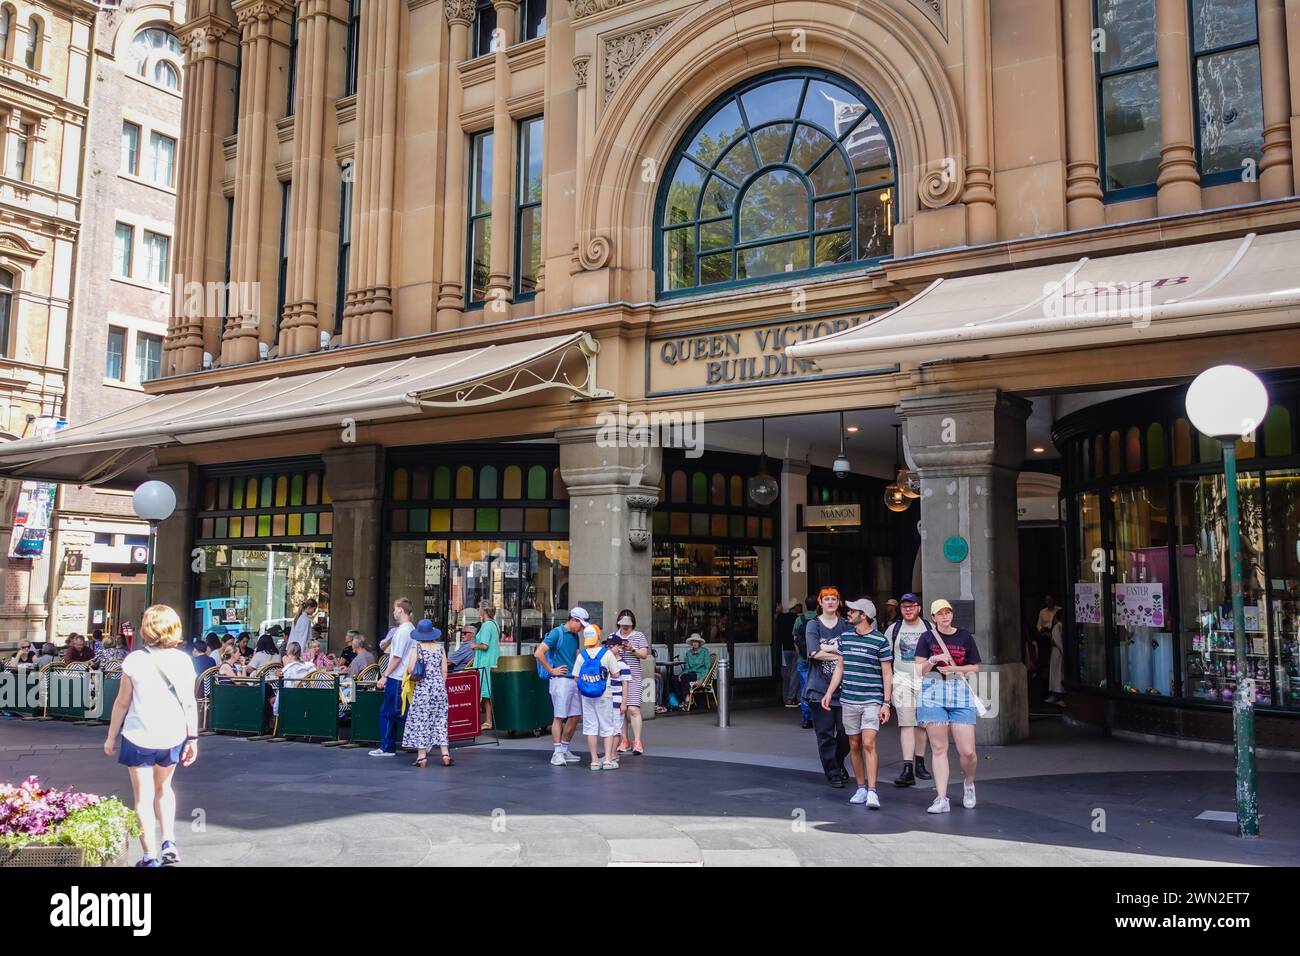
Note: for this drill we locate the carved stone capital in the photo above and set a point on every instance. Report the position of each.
(594, 253)
(251, 12)
(459, 11)
(580, 64)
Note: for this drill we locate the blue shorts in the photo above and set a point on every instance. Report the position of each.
(946, 715)
(129, 755)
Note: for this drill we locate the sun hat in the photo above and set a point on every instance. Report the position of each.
(865, 606)
(425, 631)
(938, 606)
(590, 635)
(891, 601)
(626, 621)
(695, 638)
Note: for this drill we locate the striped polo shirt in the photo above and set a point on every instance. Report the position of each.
(863, 656)
(619, 673)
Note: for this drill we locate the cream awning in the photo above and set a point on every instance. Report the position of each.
(1212, 287)
(115, 449)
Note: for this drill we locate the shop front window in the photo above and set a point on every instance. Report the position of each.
(250, 588)
(1089, 578)
(1143, 624)
(1209, 641)
(1283, 503)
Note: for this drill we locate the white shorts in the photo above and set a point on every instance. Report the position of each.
(564, 697)
(598, 717)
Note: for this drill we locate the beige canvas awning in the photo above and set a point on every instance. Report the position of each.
(1212, 287)
(113, 449)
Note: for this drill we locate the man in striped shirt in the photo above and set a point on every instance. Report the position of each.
(864, 676)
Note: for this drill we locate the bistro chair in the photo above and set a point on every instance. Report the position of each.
(269, 671)
(76, 666)
(44, 684)
(369, 674)
(203, 695)
(705, 688)
(382, 664)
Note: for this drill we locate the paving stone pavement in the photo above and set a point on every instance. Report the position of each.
(750, 795)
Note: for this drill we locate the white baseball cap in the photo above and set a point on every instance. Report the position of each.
(580, 613)
(864, 605)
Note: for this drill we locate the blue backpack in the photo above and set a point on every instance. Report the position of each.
(592, 676)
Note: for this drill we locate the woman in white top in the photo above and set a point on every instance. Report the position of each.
(158, 721)
(266, 653)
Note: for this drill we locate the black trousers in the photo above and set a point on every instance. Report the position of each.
(832, 741)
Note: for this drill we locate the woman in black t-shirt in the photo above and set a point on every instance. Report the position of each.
(944, 658)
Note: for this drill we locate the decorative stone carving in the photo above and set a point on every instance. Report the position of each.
(934, 10)
(459, 11)
(580, 64)
(941, 186)
(639, 506)
(622, 52)
(248, 12)
(589, 8)
(594, 253)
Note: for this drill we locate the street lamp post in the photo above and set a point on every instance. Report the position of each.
(1227, 403)
(154, 501)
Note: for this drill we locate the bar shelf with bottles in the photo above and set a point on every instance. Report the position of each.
(705, 588)
(1212, 670)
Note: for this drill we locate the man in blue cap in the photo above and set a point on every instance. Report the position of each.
(555, 657)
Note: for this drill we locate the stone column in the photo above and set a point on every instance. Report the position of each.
(969, 448)
(254, 172)
(612, 491)
(191, 334)
(1179, 181)
(173, 570)
(500, 286)
(368, 314)
(1293, 71)
(451, 291)
(1083, 195)
(312, 168)
(981, 208)
(355, 475)
(794, 492)
(1275, 167)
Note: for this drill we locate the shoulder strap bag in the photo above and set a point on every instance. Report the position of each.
(981, 708)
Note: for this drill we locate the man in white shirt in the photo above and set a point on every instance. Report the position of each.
(301, 630)
(903, 636)
(390, 682)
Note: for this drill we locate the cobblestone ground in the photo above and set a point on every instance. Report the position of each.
(746, 795)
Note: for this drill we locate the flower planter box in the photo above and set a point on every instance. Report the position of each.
(53, 856)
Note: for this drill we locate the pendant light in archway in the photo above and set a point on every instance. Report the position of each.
(762, 488)
(841, 464)
(898, 494)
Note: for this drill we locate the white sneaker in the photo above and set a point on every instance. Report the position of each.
(557, 759)
(611, 765)
(860, 796)
(595, 765)
(381, 753)
(570, 757)
(873, 801)
(968, 796)
(940, 805)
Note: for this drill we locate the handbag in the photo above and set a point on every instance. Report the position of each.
(981, 708)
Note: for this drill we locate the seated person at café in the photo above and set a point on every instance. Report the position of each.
(295, 669)
(317, 657)
(26, 655)
(276, 633)
(266, 653)
(78, 651)
(110, 651)
(245, 646)
(48, 651)
(213, 642)
(361, 655)
(347, 655)
(202, 660)
(232, 664)
(695, 666)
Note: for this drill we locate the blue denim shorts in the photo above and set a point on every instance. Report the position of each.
(129, 755)
(946, 715)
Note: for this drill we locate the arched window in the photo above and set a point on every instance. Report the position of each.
(35, 31)
(157, 54)
(789, 173)
(6, 29)
(6, 309)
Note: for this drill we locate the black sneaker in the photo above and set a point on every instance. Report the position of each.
(837, 782)
(170, 855)
(906, 778)
(921, 772)
(807, 723)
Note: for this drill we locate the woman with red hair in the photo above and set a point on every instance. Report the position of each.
(822, 635)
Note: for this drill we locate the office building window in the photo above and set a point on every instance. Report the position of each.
(1129, 94)
(528, 213)
(239, 79)
(123, 243)
(480, 218)
(532, 19)
(22, 147)
(162, 159)
(157, 55)
(6, 29)
(148, 356)
(283, 277)
(35, 29)
(230, 235)
(293, 64)
(157, 257)
(485, 27)
(131, 148)
(115, 363)
(6, 309)
(354, 46)
(345, 251)
(1226, 78)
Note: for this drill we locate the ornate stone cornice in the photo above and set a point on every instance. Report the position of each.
(622, 52)
(589, 8)
(248, 12)
(202, 36)
(580, 64)
(459, 11)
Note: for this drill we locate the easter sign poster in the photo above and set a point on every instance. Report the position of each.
(1140, 605)
(1087, 602)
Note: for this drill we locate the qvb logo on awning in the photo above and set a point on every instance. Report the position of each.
(75, 909)
(1129, 301)
(25, 689)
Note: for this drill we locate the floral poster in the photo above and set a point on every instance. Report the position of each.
(1087, 602)
(1140, 605)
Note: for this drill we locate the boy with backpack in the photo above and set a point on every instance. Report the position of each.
(903, 636)
(596, 672)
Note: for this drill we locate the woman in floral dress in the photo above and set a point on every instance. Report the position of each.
(426, 713)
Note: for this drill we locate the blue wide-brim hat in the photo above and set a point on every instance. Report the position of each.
(425, 631)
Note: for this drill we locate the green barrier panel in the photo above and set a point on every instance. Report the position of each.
(68, 694)
(27, 686)
(365, 716)
(238, 708)
(521, 701)
(109, 689)
(310, 711)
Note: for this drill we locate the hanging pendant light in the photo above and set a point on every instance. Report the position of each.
(898, 494)
(763, 488)
(841, 465)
